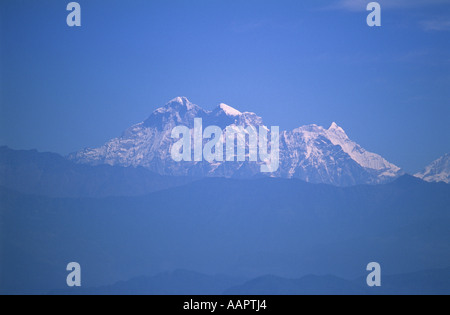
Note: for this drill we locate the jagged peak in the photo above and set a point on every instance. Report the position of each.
(437, 171)
(444, 157)
(176, 104)
(181, 100)
(228, 110)
(310, 128)
(335, 127)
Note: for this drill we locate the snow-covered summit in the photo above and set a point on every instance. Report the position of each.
(311, 153)
(366, 159)
(336, 129)
(437, 171)
(328, 155)
(228, 110)
(181, 100)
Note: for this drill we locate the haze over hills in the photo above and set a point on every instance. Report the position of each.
(182, 282)
(427, 282)
(112, 210)
(242, 228)
(50, 174)
(178, 282)
(311, 153)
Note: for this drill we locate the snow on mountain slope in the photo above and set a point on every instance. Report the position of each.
(437, 171)
(148, 144)
(328, 156)
(366, 159)
(311, 153)
(229, 110)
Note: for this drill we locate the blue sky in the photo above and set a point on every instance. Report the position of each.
(291, 62)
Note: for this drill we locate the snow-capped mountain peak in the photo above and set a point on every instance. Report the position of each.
(311, 153)
(366, 159)
(230, 111)
(437, 171)
(332, 150)
(181, 100)
(336, 128)
(180, 103)
(179, 111)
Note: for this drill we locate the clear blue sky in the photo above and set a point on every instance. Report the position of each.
(292, 62)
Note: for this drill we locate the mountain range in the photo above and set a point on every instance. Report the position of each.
(125, 222)
(310, 153)
(127, 211)
(183, 282)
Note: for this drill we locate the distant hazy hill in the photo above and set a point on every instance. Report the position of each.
(180, 282)
(244, 228)
(308, 285)
(52, 175)
(429, 282)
